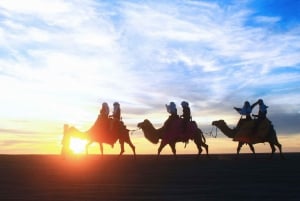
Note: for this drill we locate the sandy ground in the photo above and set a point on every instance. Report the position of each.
(220, 177)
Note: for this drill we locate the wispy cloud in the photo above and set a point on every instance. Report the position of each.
(266, 19)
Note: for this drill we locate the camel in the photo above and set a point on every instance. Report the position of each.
(268, 133)
(100, 135)
(173, 135)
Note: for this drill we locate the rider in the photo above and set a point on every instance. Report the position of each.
(116, 115)
(104, 112)
(246, 111)
(102, 120)
(171, 108)
(186, 114)
(262, 113)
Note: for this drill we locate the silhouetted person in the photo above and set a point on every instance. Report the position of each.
(186, 114)
(171, 108)
(116, 116)
(102, 121)
(262, 113)
(104, 112)
(262, 110)
(245, 110)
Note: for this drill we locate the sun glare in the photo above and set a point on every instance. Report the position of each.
(77, 145)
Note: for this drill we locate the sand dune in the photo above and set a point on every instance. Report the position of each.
(220, 177)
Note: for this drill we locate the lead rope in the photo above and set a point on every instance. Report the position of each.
(211, 132)
(132, 131)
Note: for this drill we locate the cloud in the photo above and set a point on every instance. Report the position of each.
(70, 56)
(266, 19)
(15, 131)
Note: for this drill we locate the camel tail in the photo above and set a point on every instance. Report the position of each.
(199, 131)
(202, 135)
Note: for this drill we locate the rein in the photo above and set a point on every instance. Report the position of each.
(211, 132)
(132, 131)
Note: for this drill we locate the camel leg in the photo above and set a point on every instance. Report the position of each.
(206, 148)
(273, 149)
(101, 148)
(65, 151)
(239, 148)
(280, 150)
(198, 144)
(122, 148)
(202, 142)
(199, 140)
(199, 148)
(87, 147)
(279, 147)
(252, 149)
(172, 145)
(274, 141)
(160, 148)
(132, 147)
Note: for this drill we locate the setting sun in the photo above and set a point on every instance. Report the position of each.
(77, 145)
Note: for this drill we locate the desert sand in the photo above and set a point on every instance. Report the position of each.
(219, 177)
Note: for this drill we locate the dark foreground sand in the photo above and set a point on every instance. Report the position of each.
(220, 177)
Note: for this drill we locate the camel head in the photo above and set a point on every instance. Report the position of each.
(150, 132)
(218, 123)
(221, 124)
(144, 124)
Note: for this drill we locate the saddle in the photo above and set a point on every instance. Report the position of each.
(252, 131)
(177, 130)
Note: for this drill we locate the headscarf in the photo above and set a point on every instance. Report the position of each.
(262, 106)
(171, 108)
(105, 109)
(184, 104)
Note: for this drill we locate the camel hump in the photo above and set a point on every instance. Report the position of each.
(253, 131)
(251, 124)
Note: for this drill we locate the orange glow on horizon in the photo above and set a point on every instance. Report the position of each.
(78, 145)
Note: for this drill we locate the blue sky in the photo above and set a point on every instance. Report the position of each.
(59, 60)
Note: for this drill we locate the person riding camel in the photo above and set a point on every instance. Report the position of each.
(186, 114)
(102, 121)
(262, 111)
(104, 112)
(246, 111)
(172, 110)
(117, 111)
(262, 114)
(116, 116)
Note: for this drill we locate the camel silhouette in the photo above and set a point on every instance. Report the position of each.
(101, 135)
(246, 134)
(173, 134)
